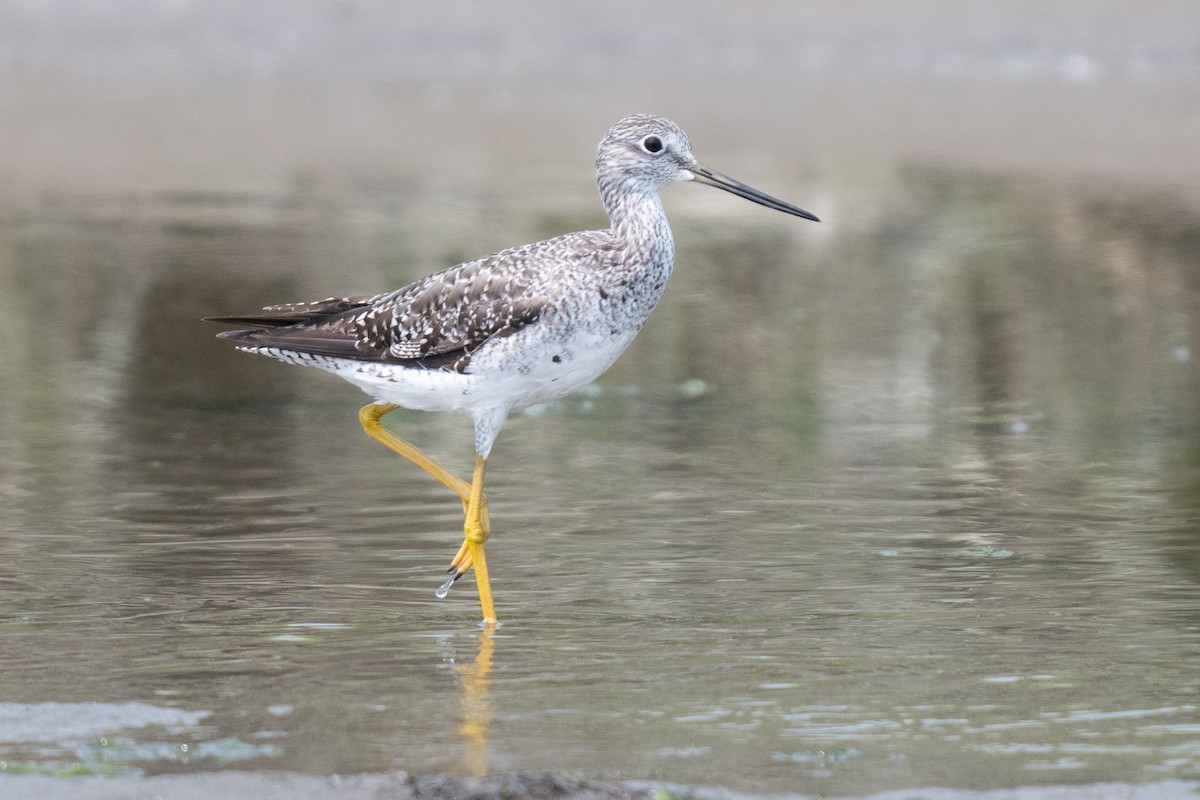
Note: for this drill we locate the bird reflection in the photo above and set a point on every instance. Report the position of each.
(475, 679)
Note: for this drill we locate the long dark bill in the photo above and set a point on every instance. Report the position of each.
(710, 177)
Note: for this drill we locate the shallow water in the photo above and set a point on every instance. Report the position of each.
(907, 498)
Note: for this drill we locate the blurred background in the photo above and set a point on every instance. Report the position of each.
(227, 95)
(907, 498)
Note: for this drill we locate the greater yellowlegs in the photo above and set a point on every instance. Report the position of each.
(523, 326)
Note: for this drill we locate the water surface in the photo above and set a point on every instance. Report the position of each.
(908, 498)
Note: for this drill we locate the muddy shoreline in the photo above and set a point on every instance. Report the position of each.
(544, 786)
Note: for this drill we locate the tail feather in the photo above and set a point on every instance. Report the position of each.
(282, 316)
(303, 340)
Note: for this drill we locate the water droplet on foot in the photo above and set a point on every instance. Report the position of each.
(444, 589)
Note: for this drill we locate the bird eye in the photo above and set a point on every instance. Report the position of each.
(652, 144)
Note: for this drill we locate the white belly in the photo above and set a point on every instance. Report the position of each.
(531, 366)
(511, 373)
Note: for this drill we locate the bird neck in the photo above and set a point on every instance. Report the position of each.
(639, 225)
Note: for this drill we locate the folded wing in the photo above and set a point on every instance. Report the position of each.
(434, 323)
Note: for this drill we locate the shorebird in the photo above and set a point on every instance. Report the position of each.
(503, 332)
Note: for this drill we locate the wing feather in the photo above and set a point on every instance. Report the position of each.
(436, 322)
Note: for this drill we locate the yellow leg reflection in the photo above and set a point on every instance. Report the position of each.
(476, 707)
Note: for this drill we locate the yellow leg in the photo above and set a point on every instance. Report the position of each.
(478, 524)
(476, 535)
(369, 417)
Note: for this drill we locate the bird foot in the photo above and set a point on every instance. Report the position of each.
(459, 566)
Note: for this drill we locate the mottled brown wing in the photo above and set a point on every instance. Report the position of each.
(436, 322)
(455, 311)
